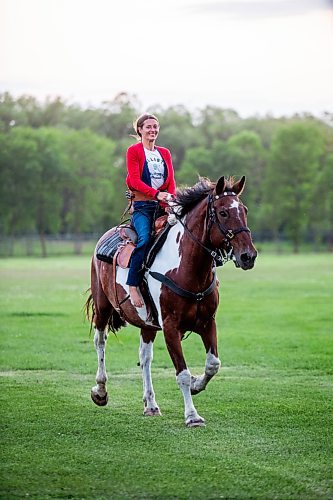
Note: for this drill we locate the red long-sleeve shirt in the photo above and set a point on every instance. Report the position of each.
(135, 161)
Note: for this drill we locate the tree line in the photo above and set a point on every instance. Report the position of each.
(62, 166)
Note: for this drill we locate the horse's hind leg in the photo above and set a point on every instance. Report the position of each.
(103, 311)
(213, 363)
(99, 393)
(146, 356)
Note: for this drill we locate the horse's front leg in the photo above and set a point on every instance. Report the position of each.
(99, 393)
(213, 363)
(183, 376)
(146, 357)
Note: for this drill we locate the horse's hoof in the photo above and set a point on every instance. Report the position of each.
(196, 422)
(99, 400)
(194, 391)
(152, 412)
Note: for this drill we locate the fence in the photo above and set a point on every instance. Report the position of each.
(84, 244)
(33, 246)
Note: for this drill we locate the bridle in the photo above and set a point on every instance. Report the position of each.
(212, 219)
(220, 255)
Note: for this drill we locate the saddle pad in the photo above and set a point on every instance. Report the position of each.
(126, 237)
(108, 247)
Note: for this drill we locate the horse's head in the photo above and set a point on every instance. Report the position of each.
(227, 223)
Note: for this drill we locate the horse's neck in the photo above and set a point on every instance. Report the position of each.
(196, 260)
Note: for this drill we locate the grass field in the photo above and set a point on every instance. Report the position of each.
(268, 411)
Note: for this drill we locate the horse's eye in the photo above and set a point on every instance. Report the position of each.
(224, 213)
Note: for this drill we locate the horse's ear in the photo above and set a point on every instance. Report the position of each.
(239, 186)
(219, 188)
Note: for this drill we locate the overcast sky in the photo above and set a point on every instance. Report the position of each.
(263, 56)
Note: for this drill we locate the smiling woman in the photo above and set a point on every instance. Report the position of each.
(151, 180)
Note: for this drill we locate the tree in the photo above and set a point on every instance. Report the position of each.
(117, 116)
(8, 112)
(246, 156)
(31, 177)
(18, 172)
(294, 160)
(178, 132)
(217, 124)
(321, 213)
(197, 162)
(89, 185)
(47, 200)
(31, 112)
(71, 165)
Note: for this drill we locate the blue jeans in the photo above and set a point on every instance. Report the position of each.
(142, 220)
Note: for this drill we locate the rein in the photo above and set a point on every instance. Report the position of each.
(220, 256)
(216, 254)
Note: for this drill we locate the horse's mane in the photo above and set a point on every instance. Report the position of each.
(188, 197)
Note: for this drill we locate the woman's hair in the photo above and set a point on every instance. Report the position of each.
(140, 121)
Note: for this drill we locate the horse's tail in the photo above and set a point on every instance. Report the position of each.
(89, 308)
(114, 323)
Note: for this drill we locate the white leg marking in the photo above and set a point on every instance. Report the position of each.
(192, 418)
(213, 364)
(146, 358)
(101, 376)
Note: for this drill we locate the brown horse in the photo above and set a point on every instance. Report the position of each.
(211, 228)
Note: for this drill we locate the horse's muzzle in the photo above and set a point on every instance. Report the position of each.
(246, 260)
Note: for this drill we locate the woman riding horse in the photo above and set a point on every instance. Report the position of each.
(150, 177)
(212, 222)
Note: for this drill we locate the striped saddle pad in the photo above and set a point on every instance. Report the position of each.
(123, 238)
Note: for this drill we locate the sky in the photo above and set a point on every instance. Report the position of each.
(254, 56)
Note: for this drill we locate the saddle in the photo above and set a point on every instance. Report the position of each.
(117, 249)
(122, 241)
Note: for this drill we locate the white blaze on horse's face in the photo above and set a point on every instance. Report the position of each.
(235, 204)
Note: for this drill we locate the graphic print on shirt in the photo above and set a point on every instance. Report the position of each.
(156, 167)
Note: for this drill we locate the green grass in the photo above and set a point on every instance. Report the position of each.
(30, 246)
(268, 411)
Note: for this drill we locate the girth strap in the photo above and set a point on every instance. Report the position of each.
(180, 291)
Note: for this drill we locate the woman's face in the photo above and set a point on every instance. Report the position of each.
(149, 130)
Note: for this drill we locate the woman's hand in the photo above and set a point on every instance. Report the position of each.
(163, 196)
